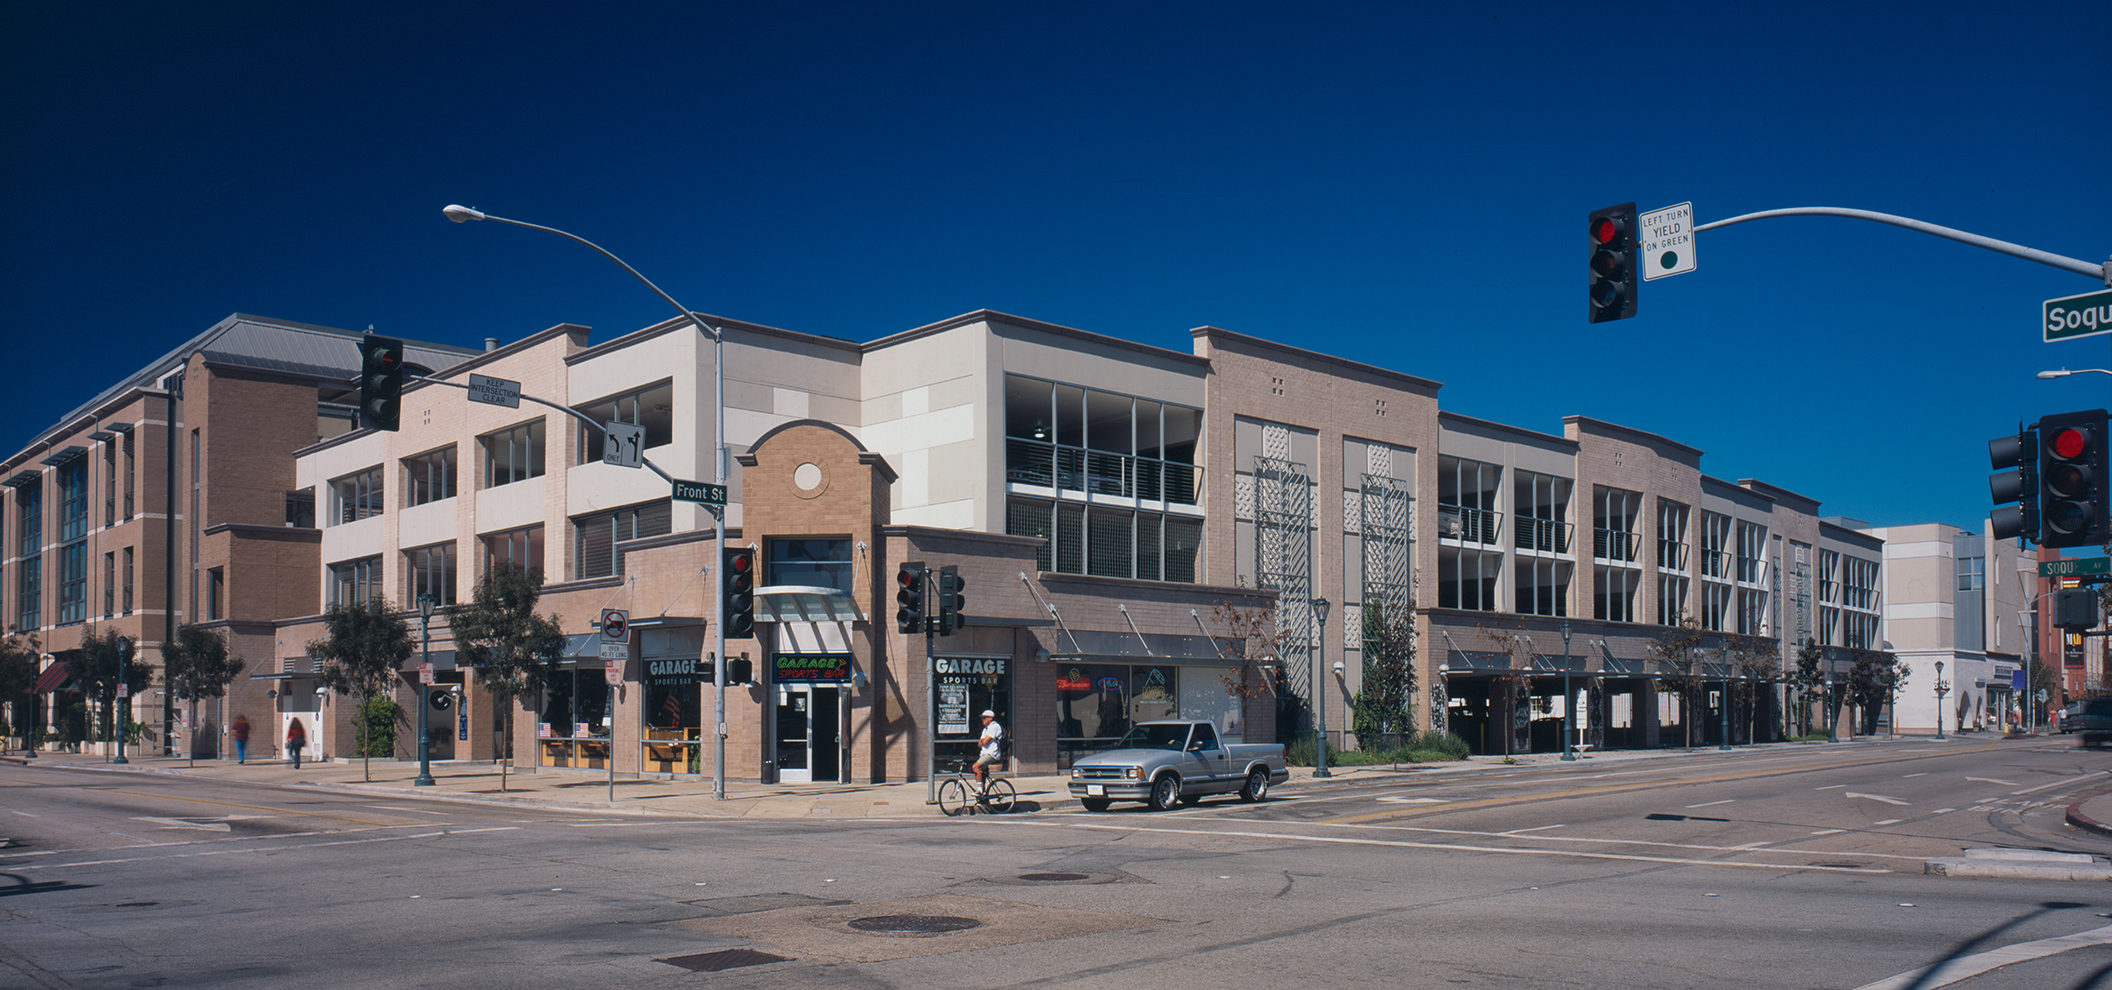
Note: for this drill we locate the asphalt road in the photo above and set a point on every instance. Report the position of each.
(1799, 870)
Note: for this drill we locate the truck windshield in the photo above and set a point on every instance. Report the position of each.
(1155, 737)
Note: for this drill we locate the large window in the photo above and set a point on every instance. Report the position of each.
(652, 407)
(523, 548)
(812, 563)
(432, 572)
(1097, 703)
(1093, 443)
(73, 583)
(29, 571)
(1672, 578)
(355, 581)
(430, 477)
(356, 496)
(1108, 541)
(513, 455)
(595, 537)
(73, 536)
(1540, 506)
(127, 580)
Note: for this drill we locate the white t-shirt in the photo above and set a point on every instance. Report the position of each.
(993, 734)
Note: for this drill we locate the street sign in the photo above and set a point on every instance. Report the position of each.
(2070, 317)
(495, 391)
(700, 493)
(624, 446)
(425, 673)
(1667, 237)
(2074, 566)
(612, 669)
(615, 626)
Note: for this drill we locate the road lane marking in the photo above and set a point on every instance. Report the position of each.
(1536, 828)
(1889, 821)
(2058, 783)
(1951, 971)
(1943, 811)
(249, 807)
(1991, 780)
(1873, 797)
(1924, 773)
(246, 849)
(1590, 840)
(1710, 804)
(1447, 847)
(1829, 787)
(1829, 831)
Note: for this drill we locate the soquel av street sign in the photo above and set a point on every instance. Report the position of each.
(1667, 237)
(2069, 317)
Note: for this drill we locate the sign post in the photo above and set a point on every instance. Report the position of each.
(615, 649)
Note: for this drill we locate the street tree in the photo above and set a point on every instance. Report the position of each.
(1384, 706)
(1807, 677)
(105, 660)
(1254, 641)
(197, 664)
(363, 646)
(1679, 654)
(1873, 677)
(513, 650)
(18, 681)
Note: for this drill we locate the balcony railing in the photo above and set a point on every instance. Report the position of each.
(1075, 469)
(1467, 525)
(1615, 544)
(1545, 535)
(1715, 563)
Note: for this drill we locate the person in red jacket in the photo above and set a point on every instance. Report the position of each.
(296, 738)
(240, 730)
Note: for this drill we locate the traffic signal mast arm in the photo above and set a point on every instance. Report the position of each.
(2097, 270)
(575, 414)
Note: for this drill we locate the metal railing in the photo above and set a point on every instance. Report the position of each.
(1458, 522)
(1615, 544)
(1094, 472)
(1545, 535)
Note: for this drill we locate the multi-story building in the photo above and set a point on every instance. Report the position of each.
(168, 499)
(1963, 600)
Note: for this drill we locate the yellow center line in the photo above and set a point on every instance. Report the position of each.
(254, 807)
(1640, 785)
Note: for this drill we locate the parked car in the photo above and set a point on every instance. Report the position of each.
(1165, 763)
(2068, 718)
(2094, 725)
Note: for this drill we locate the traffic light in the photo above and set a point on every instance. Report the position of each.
(951, 601)
(2075, 609)
(737, 585)
(740, 670)
(2016, 460)
(1613, 271)
(381, 374)
(2072, 489)
(910, 617)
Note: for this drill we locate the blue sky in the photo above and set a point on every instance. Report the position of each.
(1397, 183)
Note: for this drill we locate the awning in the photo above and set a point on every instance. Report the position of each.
(800, 603)
(52, 677)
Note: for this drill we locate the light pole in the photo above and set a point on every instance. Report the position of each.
(1833, 704)
(1940, 689)
(425, 661)
(123, 692)
(718, 512)
(1320, 606)
(2063, 373)
(1569, 699)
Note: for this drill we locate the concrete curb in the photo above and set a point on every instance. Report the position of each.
(2082, 821)
(1995, 869)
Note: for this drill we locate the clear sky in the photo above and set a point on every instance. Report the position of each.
(1404, 184)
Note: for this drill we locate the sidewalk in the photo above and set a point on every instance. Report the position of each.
(692, 797)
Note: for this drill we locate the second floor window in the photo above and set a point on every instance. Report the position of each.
(356, 496)
(432, 572)
(430, 477)
(811, 563)
(652, 407)
(596, 536)
(513, 455)
(355, 581)
(523, 548)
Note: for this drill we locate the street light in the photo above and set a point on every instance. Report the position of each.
(2063, 373)
(1569, 699)
(718, 512)
(124, 658)
(1320, 606)
(425, 663)
(1941, 687)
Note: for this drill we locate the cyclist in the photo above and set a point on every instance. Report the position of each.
(992, 740)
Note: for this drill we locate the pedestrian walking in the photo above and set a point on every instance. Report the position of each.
(296, 738)
(240, 730)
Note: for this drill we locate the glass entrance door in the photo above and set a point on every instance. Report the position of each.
(809, 734)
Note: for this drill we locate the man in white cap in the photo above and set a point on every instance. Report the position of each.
(993, 738)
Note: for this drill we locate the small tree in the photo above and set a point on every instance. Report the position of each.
(18, 682)
(197, 664)
(1679, 653)
(365, 643)
(1807, 677)
(1385, 703)
(1253, 641)
(103, 661)
(1873, 675)
(512, 649)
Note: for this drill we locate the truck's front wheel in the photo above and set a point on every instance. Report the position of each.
(1165, 792)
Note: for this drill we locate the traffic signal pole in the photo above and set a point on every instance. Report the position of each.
(2097, 270)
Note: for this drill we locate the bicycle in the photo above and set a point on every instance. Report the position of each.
(955, 792)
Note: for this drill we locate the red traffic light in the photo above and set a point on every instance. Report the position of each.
(2070, 443)
(1605, 228)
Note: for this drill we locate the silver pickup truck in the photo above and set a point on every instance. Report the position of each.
(1166, 763)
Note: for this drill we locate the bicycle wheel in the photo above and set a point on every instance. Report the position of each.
(953, 797)
(999, 797)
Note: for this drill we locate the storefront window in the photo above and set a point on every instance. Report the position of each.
(967, 687)
(673, 719)
(1097, 703)
(573, 725)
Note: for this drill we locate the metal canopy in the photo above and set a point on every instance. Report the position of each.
(801, 603)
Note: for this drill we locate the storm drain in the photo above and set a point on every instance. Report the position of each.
(712, 962)
(1053, 877)
(914, 924)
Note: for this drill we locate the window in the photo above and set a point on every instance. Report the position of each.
(1671, 562)
(128, 581)
(29, 528)
(811, 563)
(355, 581)
(430, 477)
(1108, 541)
(129, 474)
(1752, 549)
(595, 537)
(1466, 500)
(513, 455)
(356, 496)
(215, 592)
(1715, 545)
(110, 584)
(73, 501)
(1540, 502)
(652, 407)
(300, 509)
(109, 484)
(522, 548)
(432, 572)
(1972, 573)
(73, 536)
(1085, 441)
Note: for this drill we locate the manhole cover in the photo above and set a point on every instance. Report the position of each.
(713, 962)
(914, 924)
(1052, 877)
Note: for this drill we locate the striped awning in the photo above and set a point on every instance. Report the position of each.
(52, 677)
